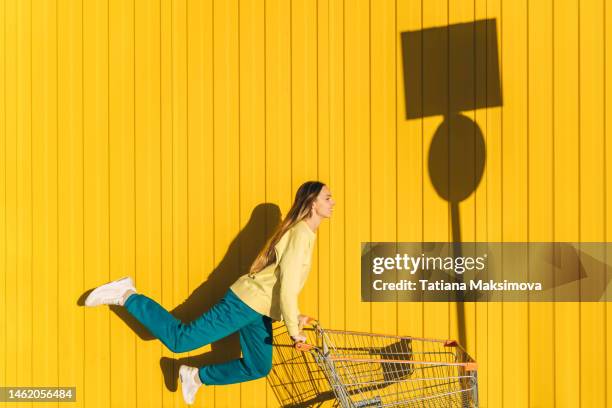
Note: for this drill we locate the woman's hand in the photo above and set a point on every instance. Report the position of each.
(303, 320)
(297, 340)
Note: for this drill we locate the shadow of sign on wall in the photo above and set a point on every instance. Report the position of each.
(449, 70)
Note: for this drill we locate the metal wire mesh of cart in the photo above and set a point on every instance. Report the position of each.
(375, 370)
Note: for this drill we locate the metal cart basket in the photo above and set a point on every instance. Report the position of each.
(376, 370)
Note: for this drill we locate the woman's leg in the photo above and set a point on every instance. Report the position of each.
(256, 343)
(224, 318)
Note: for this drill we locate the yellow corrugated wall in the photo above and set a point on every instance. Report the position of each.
(139, 136)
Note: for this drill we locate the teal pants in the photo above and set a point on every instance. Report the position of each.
(229, 315)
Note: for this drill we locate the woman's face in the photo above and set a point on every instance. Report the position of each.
(323, 206)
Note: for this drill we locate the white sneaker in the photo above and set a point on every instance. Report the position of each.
(110, 293)
(188, 383)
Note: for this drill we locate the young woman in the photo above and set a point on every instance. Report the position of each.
(268, 292)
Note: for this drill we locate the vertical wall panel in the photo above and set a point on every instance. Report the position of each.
(44, 193)
(607, 86)
(336, 85)
(410, 158)
(304, 119)
(481, 73)
(324, 161)
(462, 59)
(167, 63)
(177, 113)
(494, 173)
(3, 207)
(436, 210)
(278, 103)
(197, 149)
(279, 190)
(592, 190)
(358, 149)
(147, 161)
(121, 194)
(226, 182)
(515, 134)
(71, 325)
(383, 143)
(303, 48)
(23, 193)
(566, 189)
(253, 206)
(409, 163)
(328, 297)
(10, 203)
(10, 126)
(540, 193)
(96, 197)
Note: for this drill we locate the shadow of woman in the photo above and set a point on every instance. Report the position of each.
(236, 262)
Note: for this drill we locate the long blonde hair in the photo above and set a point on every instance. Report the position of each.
(301, 209)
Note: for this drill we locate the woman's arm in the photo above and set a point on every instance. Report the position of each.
(291, 279)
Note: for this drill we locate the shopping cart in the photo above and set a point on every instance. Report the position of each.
(376, 370)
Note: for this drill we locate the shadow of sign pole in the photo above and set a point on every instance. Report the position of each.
(458, 142)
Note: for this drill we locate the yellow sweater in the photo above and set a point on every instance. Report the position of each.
(274, 290)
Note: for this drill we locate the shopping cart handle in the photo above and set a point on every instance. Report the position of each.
(303, 346)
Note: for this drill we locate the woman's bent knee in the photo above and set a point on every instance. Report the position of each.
(256, 370)
(265, 369)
